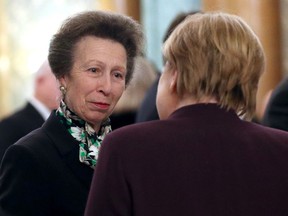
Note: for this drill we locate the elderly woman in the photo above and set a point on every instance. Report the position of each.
(201, 158)
(49, 171)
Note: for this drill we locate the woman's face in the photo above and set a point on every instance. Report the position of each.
(97, 79)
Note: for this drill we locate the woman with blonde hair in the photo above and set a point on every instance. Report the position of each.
(201, 158)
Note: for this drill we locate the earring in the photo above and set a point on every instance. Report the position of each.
(63, 90)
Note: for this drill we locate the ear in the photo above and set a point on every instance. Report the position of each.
(40, 79)
(173, 81)
(62, 81)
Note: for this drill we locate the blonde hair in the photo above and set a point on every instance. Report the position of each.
(217, 55)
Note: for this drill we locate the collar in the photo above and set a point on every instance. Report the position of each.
(40, 107)
(204, 111)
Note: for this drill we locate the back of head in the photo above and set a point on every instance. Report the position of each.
(217, 55)
(46, 87)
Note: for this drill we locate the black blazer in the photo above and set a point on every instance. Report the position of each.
(18, 125)
(201, 161)
(276, 112)
(41, 174)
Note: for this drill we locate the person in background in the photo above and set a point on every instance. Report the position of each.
(201, 157)
(276, 111)
(126, 109)
(147, 111)
(49, 171)
(37, 109)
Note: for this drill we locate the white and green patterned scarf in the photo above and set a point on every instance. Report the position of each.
(89, 141)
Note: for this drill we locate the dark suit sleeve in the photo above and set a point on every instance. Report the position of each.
(22, 190)
(147, 110)
(109, 192)
(276, 113)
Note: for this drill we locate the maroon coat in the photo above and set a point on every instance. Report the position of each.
(203, 160)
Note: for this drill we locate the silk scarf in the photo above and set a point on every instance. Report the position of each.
(80, 130)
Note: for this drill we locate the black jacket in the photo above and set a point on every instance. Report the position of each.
(276, 113)
(41, 174)
(18, 125)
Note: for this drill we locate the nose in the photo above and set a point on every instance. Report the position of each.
(104, 84)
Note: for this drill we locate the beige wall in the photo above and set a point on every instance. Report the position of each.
(128, 7)
(4, 108)
(264, 16)
(26, 28)
(284, 25)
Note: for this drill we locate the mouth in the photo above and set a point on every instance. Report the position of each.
(100, 105)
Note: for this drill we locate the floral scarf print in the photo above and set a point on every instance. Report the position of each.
(89, 141)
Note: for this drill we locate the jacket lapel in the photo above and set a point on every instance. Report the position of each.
(68, 149)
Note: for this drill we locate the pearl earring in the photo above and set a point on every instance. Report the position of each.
(63, 90)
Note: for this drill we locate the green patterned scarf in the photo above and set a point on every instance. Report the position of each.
(89, 141)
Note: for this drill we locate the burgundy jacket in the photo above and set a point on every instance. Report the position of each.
(202, 160)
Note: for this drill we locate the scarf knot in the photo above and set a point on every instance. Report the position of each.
(80, 130)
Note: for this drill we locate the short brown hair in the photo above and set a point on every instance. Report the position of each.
(103, 24)
(178, 19)
(217, 55)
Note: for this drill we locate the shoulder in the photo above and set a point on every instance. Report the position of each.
(12, 120)
(131, 137)
(19, 151)
(282, 86)
(21, 117)
(259, 128)
(136, 130)
(279, 94)
(266, 134)
(38, 147)
(43, 138)
(21, 158)
(32, 142)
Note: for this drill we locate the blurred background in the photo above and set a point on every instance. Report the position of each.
(26, 27)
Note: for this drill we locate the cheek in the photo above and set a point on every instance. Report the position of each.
(159, 96)
(77, 92)
(83, 87)
(118, 91)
